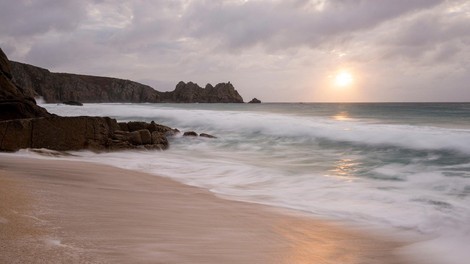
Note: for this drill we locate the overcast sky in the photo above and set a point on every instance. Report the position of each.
(278, 51)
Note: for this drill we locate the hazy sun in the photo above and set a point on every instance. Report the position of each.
(343, 79)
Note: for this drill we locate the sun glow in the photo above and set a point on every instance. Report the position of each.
(343, 79)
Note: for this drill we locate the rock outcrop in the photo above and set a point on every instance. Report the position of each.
(60, 87)
(254, 101)
(192, 93)
(76, 133)
(14, 104)
(24, 124)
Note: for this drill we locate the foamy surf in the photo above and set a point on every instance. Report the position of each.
(353, 164)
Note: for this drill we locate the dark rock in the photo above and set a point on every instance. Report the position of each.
(134, 126)
(206, 135)
(56, 133)
(192, 93)
(172, 132)
(14, 104)
(72, 103)
(190, 134)
(254, 101)
(134, 138)
(123, 126)
(160, 140)
(145, 136)
(15, 134)
(121, 135)
(160, 128)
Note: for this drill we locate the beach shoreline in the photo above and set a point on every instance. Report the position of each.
(55, 211)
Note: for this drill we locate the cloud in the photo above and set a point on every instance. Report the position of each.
(261, 45)
(25, 18)
(279, 25)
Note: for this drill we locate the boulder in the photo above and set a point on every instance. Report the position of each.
(145, 136)
(206, 135)
(254, 101)
(190, 134)
(134, 138)
(160, 140)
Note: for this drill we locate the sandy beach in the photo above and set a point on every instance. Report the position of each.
(73, 212)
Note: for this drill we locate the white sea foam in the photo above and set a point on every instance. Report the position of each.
(280, 125)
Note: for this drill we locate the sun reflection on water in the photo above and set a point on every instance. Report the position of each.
(345, 168)
(341, 116)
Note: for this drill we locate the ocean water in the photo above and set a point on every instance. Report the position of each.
(397, 167)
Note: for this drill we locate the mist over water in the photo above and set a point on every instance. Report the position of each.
(392, 166)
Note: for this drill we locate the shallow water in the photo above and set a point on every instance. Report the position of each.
(391, 166)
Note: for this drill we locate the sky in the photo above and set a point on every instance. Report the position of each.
(277, 51)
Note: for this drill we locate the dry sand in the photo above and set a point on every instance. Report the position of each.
(73, 212)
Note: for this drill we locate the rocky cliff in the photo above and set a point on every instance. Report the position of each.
(14, 103)
(24, 124)
(59, 87)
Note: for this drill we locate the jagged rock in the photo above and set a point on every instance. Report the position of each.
(14, 104)
(206, 135)
(254, 101)
(190, 134)
(191, 93)
(59, 87)
(75, 103)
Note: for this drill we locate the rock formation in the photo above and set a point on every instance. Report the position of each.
(14, 104)
(254, 101)
(75, 133)
(59, 87)
(192, 93)
(24, 124)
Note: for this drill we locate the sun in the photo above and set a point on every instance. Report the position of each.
(343, 79)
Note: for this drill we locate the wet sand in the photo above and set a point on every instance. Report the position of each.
(73, 212)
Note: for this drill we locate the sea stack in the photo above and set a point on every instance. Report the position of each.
(254, 101)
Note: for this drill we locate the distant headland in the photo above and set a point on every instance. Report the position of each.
(61, 87)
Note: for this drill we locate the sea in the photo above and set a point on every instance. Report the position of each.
(402, 168)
